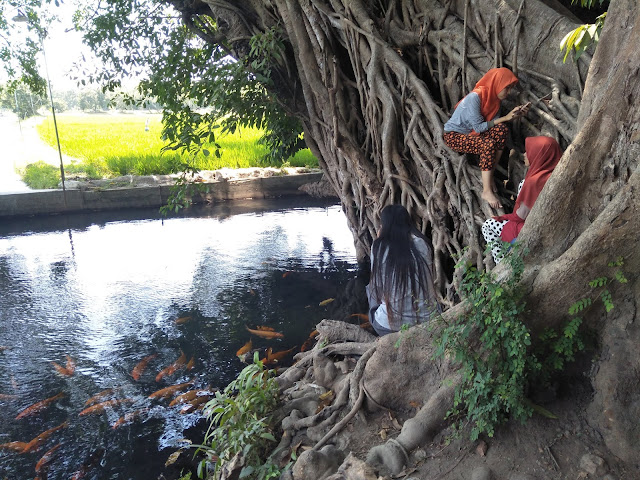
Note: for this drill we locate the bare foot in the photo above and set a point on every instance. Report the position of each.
(491, 199)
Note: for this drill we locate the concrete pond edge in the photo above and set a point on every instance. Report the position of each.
(153, 191)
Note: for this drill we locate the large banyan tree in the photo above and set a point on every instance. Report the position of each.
(373, 83)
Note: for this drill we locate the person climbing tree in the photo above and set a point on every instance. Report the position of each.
(475, 127)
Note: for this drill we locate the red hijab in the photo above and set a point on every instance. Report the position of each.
(488, 87)
(543, 154)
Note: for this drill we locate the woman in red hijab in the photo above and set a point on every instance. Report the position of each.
(476, 128)
(542, 156)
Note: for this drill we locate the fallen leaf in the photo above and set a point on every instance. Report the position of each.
(383, 434)
(172, 458)
(396, 424)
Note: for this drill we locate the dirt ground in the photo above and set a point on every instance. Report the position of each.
(543, 448)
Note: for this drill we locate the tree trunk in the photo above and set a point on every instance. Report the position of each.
(374, 82)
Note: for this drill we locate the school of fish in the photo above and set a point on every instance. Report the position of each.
(184, 397)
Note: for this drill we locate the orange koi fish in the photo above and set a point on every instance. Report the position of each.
(140, 367)
(286, 274)
(36, 407)
(265, 360)
(193, 404)
(191, 363)
(43, 463)
(187, 397)
(100, 407)
(68, 370)
(264, 327)
(98, 397)
(90, 463)
(13, 446)
(128, 418)
(265, 333)
(278, 356)
(245, 348)
(308, 343)
(168, 391)
(171, 369)
(35, 444)
(181, 320)
(362, 316)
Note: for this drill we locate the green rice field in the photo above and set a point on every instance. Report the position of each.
(109, 145)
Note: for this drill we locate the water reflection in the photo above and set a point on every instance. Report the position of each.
(108, 294)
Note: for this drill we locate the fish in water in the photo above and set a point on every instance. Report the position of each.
(264, 327)
(168, 391)
(98, 397)
(245, 348)
(171, 369)
(37, 442)
(308, 343)
(181, 320)
(128, 418)
(191, 363)
(92, 460)
(37, 407)
(362, 316)
(286, 274)
(14, 446)
(196, 402)
(68, 370)
(277, 356)
(326, 302)
(188, 396)
(42, 466)
(141, 366)
(100, 407)
(265, 333)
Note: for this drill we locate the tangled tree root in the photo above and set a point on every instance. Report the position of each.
(331, 384)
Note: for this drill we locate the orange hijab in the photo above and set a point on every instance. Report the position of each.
(488, 87)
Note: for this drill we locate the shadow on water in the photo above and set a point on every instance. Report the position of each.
(110, 291)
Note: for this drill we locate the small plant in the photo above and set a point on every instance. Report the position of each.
(241, 425)
(556, 349)
(491, 344)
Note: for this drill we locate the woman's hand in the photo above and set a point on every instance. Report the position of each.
(518, 111)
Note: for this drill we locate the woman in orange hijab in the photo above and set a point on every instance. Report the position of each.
(476, 128)
(542, 156)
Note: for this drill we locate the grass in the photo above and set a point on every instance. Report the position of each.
(110, 145)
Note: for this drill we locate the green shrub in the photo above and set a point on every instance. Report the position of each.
(494, 347)
(41, 175)
(490, 343)
(241, 424)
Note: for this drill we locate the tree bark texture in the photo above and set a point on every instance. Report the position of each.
(374, 82)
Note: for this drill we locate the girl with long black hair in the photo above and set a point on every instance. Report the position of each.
(401, 290)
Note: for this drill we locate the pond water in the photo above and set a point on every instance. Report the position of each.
(108, 292)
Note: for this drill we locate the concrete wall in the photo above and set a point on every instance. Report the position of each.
(53, 201)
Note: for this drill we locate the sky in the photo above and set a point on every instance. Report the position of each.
(63, 47)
